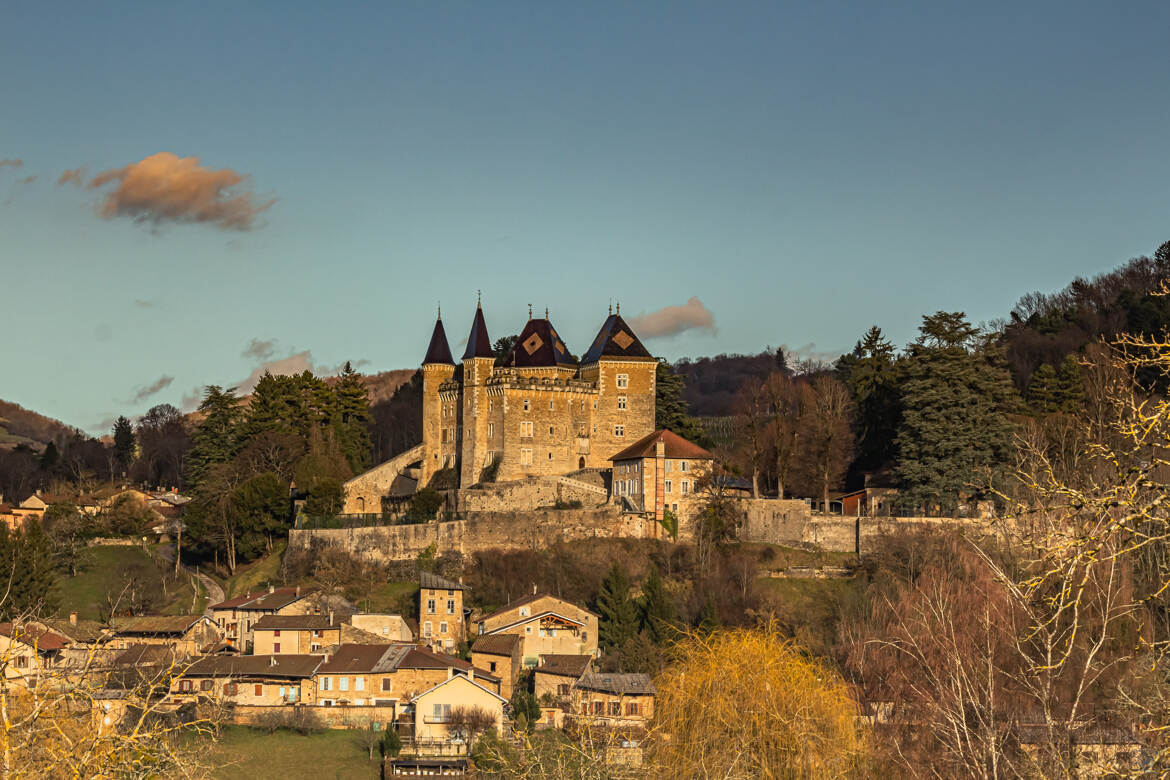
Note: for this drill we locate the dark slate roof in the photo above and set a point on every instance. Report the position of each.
(262, 599)
(676, 447)
(616, 340)
(478, 343)
(618, 684)
(421, 658)
(365, 658)
(155, 624)
(439, 350)
(564, 665)
(294, 623)
(539, 345)
(497, 644)
(434, 582)
(255, 666)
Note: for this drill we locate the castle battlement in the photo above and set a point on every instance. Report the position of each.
(540, 412)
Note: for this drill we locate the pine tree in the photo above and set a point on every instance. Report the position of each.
(670, 407)
(351, 417)
(870, 372)
(658, 613)
(271, 406)
(619, 613)
(217, 437)
(34, 577)
(1043, 393)
(124, 443)
(708, 617)
(955, 436)
(1070, 385)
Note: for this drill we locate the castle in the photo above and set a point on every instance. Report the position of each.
(539, 412)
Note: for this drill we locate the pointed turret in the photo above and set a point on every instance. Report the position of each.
(439, 351)
(479, 345)
(616, 340)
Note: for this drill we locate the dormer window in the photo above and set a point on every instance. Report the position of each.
(523, 611)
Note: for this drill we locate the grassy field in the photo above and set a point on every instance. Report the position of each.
(243, 752)
(811, 605)
(104, 570)
(258, 574)
(389, 597)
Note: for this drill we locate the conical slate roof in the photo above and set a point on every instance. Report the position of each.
(478, 343)
(616, 340)
(439, 350)
(539, 346)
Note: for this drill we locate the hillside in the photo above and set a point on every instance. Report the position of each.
(384, 384)
(19, 425)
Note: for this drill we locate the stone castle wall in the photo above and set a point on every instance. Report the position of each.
(531, 530)
(363, 493)
(531, 492)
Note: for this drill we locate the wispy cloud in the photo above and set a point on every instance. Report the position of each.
(143, 304)
(673, 320)
(259, 350)
(167, 188)
(154, 388)
(75, 175)
(27, 180)
(11, 162)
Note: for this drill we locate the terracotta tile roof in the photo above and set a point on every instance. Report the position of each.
(255, 666)
(294, 623)
(34, 634)
(497, 644)
(618, 684)
(365, 658)
(676, 447)
(564, 665)
(263, 600)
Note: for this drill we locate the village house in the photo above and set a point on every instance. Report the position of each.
(499, 654)
(362, 675)
(557, 674)
(27, 649)
(186, 635)
(15, 516)
(440, 612)
(613, 700)
(236, 616)
(271, 680)
(545, 625)
(84, 640)
(660, 472)
(433, 708)
(295, 634)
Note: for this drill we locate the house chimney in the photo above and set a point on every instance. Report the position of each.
(298, 591)
(271, 588)
(534, 589)
(72, 618)
(330, 617)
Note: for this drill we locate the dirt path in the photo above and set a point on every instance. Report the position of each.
(215, 592)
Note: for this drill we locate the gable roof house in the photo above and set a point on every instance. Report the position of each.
(613, 700)
(27, 649)
(499, 654)
(271, 680)
(661, 472)
(236, 616)
(545, 625)
(186, 635)
(433, 709)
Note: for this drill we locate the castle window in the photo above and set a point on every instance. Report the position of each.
(491, 404)
(686, 486)
(594, 404)
(526, 428)
(527, 404)
(550, 430)
(669, 486)
(619, 430)
(623, 381)
(491, 429)
(550, 456)
(551, 405)
(621, 402)
(682, 466)
(525, 457)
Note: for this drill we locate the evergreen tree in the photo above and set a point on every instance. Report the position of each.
(124, 442)
(50, 458)
(619, 613)
(870, 373)
(217, 437)
(28, 572)
(955, 436)
(1070, 385)
(1042, 390)
(670, 407)
(271, 406)
(658, 613)
(261, 509)
(351, 415)
(503, 346)
(708, 617)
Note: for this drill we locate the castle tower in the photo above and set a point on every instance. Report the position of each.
(437, 367)
(625, 373)
(478, 362)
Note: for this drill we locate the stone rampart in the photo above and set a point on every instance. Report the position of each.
(527, 494)
(530, 530)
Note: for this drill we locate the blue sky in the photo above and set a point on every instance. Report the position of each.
(805, 170)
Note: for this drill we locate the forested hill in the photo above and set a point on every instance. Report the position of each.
(1044, 329)
(712, 382)
(19, 425)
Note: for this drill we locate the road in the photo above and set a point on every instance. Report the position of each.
(215, 593)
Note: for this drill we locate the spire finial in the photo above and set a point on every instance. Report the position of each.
(611, 307)
(530, 311)
(619, 307)
(546, 312)
(478, 298)
(440, 307)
